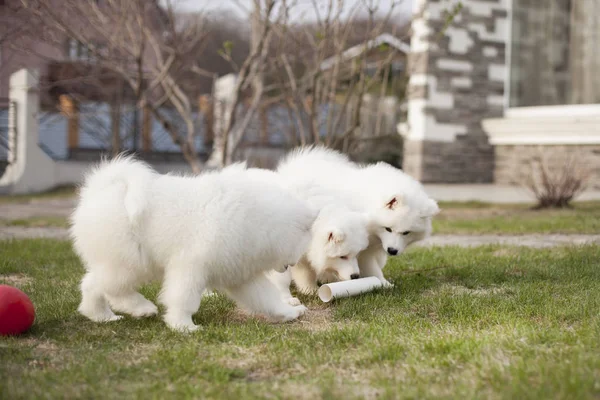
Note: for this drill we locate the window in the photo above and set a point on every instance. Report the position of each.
(554, 56)
(77, 51)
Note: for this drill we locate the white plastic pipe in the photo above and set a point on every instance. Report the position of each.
(353, 287)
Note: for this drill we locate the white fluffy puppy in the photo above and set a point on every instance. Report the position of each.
(398, 209)
(338, 236)
(221, 230)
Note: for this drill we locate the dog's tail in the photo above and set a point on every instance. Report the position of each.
(134, 175)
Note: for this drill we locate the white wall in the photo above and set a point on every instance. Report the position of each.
(32, 170)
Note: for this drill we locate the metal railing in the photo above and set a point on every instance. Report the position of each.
(8, 132)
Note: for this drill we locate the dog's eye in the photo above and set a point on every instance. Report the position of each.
(388, 229)
(344, 257)
(405, 233)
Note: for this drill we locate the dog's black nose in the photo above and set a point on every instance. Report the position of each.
(354, 276)
(392, 251)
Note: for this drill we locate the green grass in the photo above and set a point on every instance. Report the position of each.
(492, 322)
(470, 218)
(482, 218)
(58, 192)
(36, 222)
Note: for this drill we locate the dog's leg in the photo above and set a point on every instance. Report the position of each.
(93, 303)
(381, 258)
(283, 280)
(181, 294)
(133, 303)
(304, 278)
(261, 296)
(369, 265)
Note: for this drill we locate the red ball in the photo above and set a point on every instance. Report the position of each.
(16, 311)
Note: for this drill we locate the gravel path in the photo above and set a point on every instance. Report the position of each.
(539, 241)
(534, 240)
(19, 232)
(62, 207)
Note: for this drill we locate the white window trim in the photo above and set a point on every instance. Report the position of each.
(567, 110)
(561, 110)
(508, 56)
(541, 125)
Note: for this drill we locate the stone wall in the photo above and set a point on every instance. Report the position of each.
(512, 161)
(457, 80)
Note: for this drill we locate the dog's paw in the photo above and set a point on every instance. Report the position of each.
(387, 284)
(112, 318)
(301, 309)
(184, 328)
(104, 316)
(178, 324)
(290, 314)
(294, 301)
(145, 310)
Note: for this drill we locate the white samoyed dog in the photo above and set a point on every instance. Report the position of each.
(399, 211)
(338, 235)
(219, 230)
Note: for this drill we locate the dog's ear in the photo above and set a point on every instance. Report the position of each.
(394, 202)
(430, 208)
(334, 236)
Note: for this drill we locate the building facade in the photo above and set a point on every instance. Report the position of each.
(504, 81)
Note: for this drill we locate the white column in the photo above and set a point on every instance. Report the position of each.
(31, 170)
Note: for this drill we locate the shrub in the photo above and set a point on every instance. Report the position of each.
(556, 178)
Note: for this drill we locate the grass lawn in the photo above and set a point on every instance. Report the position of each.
(482, 218)
(468, 218)
(36, 222)
(56, 193)
(492, 322)
(458, 218)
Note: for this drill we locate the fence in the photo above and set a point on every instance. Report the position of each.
(93, 131)
(96, 132)
(49, 148)
(34, 162)
(7, 135)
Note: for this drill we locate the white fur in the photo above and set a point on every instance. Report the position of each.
(390, 199)
(339, 234)
(220, 230)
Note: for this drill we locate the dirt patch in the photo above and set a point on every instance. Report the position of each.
(515, 272)
(17, 280)
(139, 353)
(316, 319)
(243, 357)
(461, 290)
(46, 354)
(477, 213)
(360, 379)
(297, 390)
(506, 252)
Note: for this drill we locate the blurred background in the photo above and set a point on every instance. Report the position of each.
(498, 92)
